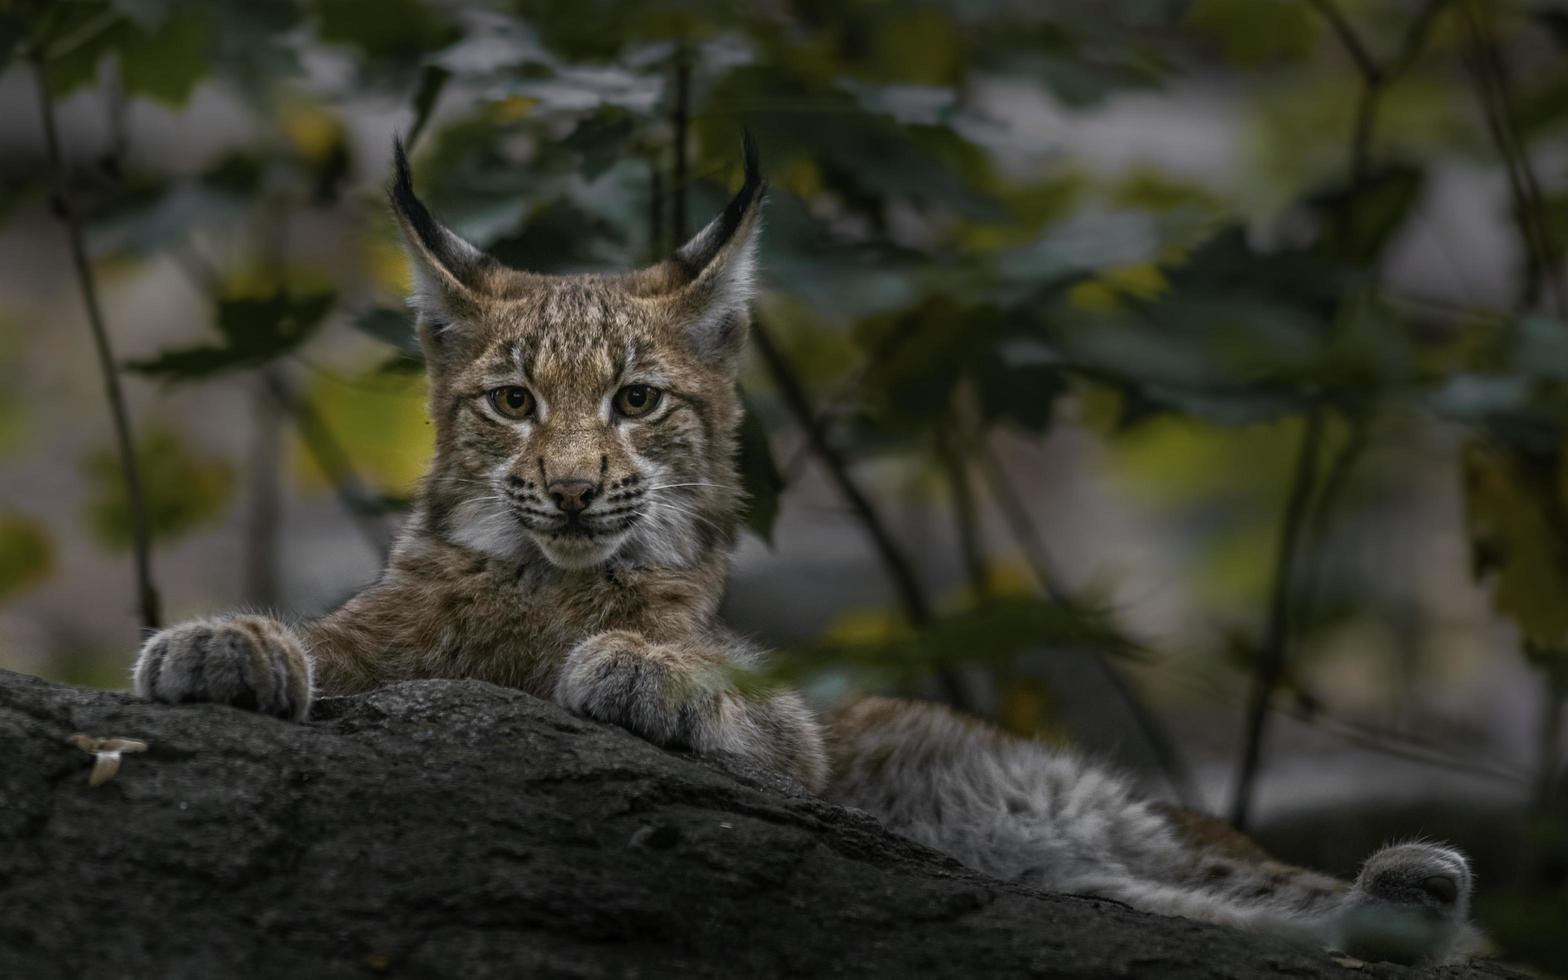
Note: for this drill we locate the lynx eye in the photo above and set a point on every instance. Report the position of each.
(633, 401)
(512, 401)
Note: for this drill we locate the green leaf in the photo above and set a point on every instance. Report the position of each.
(1514, 511)
(991, 633)
(13, 30)
(390, 326)
(601, 139)
(1255, 33)
(166, 64)
(759, 474)
(1023, 395)
(149, 15)
(255, 331)
(26, 553)
(1360, 219)
(383, 28)
(181, 489)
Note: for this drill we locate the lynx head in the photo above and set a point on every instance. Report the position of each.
(591, 418)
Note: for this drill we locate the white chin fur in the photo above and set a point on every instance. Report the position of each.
(567, 552)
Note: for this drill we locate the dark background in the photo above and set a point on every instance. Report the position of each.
(1182, 380)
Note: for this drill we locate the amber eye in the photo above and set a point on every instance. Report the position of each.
(635, 400)
(513, 401)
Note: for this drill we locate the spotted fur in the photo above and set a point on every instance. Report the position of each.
(569, 548)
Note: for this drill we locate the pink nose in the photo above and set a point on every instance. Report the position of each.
(571, 496)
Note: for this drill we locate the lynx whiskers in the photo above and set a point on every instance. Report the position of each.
(571, 540)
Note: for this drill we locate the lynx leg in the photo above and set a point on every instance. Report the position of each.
(250, 662)
(684, 695)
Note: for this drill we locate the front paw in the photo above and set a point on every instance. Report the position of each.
(250, 662)
(650, 689)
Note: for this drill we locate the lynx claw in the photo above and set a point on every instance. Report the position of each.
(249, 662)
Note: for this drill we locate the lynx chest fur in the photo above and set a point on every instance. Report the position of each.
(570, 540)
(444, 611)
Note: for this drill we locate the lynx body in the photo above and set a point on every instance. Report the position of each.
(571, 540)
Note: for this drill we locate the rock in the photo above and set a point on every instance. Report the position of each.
(453, 828)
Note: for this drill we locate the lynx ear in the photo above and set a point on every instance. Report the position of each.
(448, 271)
(709, 281)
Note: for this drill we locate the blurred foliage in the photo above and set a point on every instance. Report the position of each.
(382, 415)
(26, 553)
(1232, 339)
(183, 489)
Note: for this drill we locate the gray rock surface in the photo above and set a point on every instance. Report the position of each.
(451, 828)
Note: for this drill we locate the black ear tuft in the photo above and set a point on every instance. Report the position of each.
(696, 254)
(407, 204)
(753, 159)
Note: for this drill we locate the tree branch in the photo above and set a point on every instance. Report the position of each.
(1542, 259)
(262, 518)
(366, 511)
(911, 595)
(1027, 536)
(1274, 650)
(1376, 77)
(363, 507)
(1371, 71)
(141, 535)
(966, 520)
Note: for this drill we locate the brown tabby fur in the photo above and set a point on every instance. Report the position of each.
(610, 608)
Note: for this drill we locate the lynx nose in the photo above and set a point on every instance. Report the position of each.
(572, 496)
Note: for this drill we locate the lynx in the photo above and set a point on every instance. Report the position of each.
(571, 540)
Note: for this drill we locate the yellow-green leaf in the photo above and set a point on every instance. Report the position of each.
(26, 553)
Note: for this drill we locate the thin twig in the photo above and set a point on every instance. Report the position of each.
(1554, 717)
(911, 595)
(1027, 536)
(966, 519)
(263, 516)
(86, 34)
(1376, 77)
(141, 536)
(1334, 483)
(363, 507)
(1543, 263)
(1392, 743)
(1274, 649)
(1371, 71)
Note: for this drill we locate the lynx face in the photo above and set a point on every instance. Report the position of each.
(591, 418)
(585, 426)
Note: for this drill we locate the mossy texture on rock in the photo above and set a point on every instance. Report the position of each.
(452, 828)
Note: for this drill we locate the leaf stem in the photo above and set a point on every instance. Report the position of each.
(141, 536)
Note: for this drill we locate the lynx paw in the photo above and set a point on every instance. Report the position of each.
(248, 661)
(1410, 904)
(654, 690)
